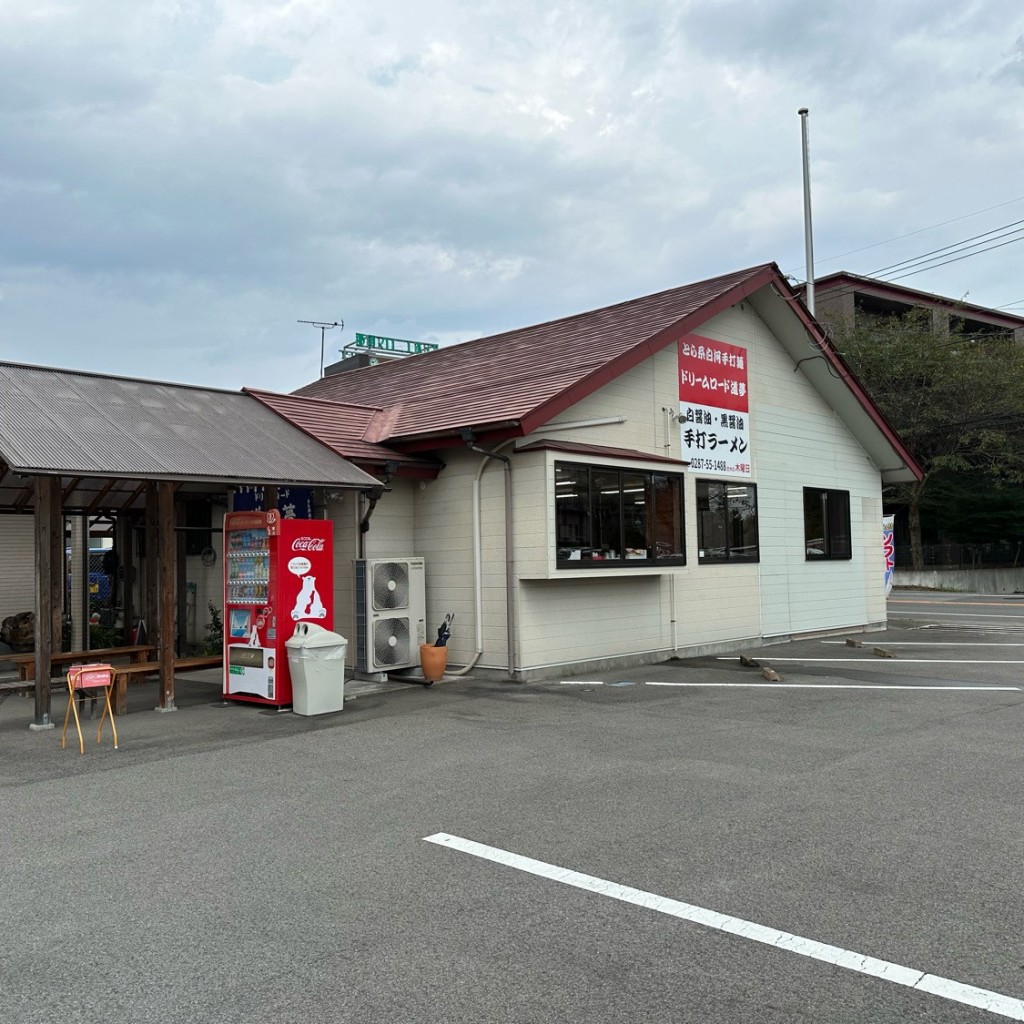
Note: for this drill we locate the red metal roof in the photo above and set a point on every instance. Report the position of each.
(346, 429)
(509, 385)
(521, 379)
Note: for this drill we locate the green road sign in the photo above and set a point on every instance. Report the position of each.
(377, 343)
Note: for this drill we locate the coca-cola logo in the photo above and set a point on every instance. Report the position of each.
(308, 544)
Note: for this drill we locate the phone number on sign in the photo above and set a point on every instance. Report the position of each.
(719, 465)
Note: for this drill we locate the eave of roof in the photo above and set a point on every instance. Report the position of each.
(598, 451)
(912, 296)
(840, 381)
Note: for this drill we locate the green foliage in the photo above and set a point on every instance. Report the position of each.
(105, 636)
(214, 638)
(957, 401)
(970, 509)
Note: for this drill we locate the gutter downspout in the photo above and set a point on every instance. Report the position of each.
(372, 497)
(510, 616)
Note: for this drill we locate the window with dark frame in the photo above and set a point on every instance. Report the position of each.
(727, 522)
(607, 517)
(826, 524)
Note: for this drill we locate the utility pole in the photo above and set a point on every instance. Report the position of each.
(808, 235)
(324, 327)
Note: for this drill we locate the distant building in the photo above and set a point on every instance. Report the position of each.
(838, 297)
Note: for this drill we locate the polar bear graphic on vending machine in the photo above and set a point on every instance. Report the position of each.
(308, 603)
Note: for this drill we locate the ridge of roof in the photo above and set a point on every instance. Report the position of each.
(282, 396)
(502, 379)
(125, 378)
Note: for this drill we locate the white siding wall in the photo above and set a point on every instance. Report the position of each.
(444, 537)
(391, 534)
(208, 581)
(17, 565)
(797, 441)
(344, 512)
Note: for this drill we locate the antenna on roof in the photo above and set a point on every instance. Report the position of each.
(324, 327)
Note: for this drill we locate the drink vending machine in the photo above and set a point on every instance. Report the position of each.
(277, 572)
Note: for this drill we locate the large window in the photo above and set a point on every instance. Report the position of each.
(727, 522)
(826, 524)
(607, 517)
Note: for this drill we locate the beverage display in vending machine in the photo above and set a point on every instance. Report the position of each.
(277, 572)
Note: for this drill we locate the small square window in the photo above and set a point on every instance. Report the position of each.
(826, 524)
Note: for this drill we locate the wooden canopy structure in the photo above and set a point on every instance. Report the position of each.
(95, 444)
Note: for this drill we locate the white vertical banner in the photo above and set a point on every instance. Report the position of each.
(888, 551)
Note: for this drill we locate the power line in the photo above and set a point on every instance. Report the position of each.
(964, 242)
(956, 259)
(919, 231)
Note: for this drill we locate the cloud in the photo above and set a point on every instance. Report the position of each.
(199, 175)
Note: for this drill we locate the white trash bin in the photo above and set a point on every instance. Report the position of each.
(316, 661)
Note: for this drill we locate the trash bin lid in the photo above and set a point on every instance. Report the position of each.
(309, 634)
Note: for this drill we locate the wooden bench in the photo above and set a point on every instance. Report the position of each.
(26, 663)
(124, 674)
(9, 687)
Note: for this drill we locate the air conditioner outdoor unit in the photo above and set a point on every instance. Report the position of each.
(391, 613)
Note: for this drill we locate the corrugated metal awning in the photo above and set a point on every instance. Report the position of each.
(68, 423)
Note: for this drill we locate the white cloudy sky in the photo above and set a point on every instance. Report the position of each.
(182, 180)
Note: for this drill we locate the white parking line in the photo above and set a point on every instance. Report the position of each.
(869, 659)
(932, 643)
(582, 682)
(967, 615)
(968, 995)
(840, 686)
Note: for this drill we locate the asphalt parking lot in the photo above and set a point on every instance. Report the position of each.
(682, 842)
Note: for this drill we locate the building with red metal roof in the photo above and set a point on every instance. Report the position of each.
(674, 474)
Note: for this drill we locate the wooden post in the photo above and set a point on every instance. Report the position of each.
(165, 563)
(49, 570)
(151, 599)
(181, 578)
(126, 534)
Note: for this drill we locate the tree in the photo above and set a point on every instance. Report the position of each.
(956, 399)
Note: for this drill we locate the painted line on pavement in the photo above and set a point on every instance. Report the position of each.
(946, 604)
(843, 686)
(869, 658)
(582, 682)
(967, 995)
(1009, 619)
(930, 643)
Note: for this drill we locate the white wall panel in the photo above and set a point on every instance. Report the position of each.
(17, 565)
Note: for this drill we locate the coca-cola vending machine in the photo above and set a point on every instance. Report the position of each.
(277, 572)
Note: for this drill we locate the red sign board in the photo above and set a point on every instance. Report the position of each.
(713, 373)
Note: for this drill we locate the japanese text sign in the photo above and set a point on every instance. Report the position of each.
(714, 404)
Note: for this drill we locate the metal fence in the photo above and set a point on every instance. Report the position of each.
(965, 556)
